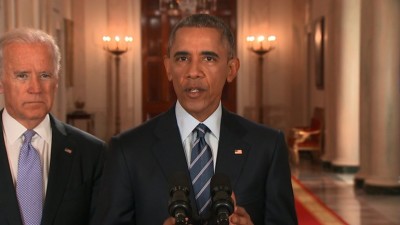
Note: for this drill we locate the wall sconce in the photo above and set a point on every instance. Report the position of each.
(117, 47)
(260, 46)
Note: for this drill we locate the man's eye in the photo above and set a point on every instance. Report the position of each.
(181, 58)
(45, 75)
(209, 59)
(22, 75)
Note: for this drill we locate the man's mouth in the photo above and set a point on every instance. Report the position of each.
(194, 90)
(34, 102)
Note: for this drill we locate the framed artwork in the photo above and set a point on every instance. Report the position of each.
(319, 30)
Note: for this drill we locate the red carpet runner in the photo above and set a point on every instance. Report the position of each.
(310, 210)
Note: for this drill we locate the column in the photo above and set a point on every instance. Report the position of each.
(382, 118)
(345, 157)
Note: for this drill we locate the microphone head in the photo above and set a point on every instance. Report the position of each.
(220, 182)
(222, 202)
(179, 203)
(179, 182)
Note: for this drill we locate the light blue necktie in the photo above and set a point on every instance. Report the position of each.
(29, 185)
(201, 169)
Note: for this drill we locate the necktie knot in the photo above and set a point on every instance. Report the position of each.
(28, 135)
(201, 130)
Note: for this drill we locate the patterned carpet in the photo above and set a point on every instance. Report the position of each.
(311, 210)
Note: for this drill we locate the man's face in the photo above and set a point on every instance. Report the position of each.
(28, 82)
(198, 67)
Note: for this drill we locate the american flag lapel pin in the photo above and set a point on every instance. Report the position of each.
(67, 150)
(238, 151)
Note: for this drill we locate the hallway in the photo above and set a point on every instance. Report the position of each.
(338, 193)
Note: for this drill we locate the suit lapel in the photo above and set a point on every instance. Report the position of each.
(172, 159)
(169, 151)
(232, 149)
(8, 198)
(62, 155)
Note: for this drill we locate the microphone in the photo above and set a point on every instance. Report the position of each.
(179, 204)
(222, 202)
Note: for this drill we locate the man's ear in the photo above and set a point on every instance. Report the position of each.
(234, 65)
(167, 65)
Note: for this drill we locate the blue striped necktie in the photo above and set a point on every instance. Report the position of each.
(29, 185)
(201, 169)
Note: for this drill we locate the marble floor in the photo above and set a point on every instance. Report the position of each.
(351, 204)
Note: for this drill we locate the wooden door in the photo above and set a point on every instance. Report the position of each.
(157, 92)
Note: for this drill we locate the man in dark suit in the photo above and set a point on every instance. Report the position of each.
(135, 188)
(69, 161)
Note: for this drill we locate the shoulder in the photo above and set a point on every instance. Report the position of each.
(80, 135)
(241, 124)
(151, 129)
(75, 136)
(145, 129)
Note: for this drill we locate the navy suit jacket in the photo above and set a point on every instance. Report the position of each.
(135, 189)
(72, 183)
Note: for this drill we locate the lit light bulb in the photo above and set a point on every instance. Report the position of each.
(260, 38)
(106, 38)
(272, 38)
(250, 38)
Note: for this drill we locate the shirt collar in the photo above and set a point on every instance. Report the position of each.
(14, 129)
(187, 122)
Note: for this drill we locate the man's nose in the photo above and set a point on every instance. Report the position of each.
(35, 85)
(195, 70)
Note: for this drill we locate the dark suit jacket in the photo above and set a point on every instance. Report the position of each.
(72, 182)
(135, 189)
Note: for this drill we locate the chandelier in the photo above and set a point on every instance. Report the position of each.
(188, 7)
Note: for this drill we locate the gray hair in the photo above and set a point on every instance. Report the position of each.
(30, 36)
(208, 21)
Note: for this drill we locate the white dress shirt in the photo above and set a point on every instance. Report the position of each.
(13, 138)
(188, 123)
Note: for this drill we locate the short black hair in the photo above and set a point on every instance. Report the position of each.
(209, 21)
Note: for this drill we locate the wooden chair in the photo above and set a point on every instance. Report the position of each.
(309, 138)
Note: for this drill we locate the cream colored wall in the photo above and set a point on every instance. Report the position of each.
(2, 16)
(95, 68)
(90, 61)
(90, 69)
(284, 89)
